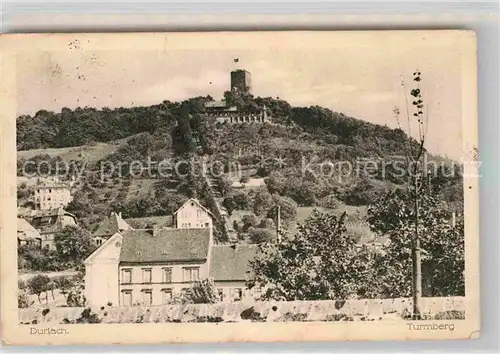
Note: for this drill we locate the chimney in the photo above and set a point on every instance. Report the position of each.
(153, 229)
(120, 214)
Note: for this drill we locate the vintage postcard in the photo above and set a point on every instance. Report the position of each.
(239, 187)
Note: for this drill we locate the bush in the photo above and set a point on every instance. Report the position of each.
(203, 292)
(330, 201)
(267, 223)
(242, 201)
(86, 317)
(249, 221)
(262, 172)
(450, 315)
(292, 317)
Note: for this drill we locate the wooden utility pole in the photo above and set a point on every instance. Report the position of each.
(278, 223)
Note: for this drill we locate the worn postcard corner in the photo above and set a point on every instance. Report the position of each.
(239, 187)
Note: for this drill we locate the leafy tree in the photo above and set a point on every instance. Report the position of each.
(64, 284)
(241, 200)
(31, 257)
(23, 300)
(73, 245)
(442, 245)
(229, 204)
(288, 209)
(224, 185)
(263, 201)
(364, 192)
(75, 295)
(38, 285)
(319, 262)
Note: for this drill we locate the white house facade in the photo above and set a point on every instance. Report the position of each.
(50, 195)
(193, 215)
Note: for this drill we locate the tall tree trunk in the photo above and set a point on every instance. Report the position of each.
(417, 263)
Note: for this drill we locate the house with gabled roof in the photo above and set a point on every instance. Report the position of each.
(148, 261)
(27, 234)
(192, 215)
(108, 227)
(151, 266)
(146, 266)
(49, 222)
(230, 268)
(52, 194)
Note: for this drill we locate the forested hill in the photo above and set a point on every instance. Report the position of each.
(84, 126)
(274, 153)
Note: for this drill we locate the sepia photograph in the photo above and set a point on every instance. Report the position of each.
(239, 186)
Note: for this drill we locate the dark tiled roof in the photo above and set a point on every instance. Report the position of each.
(111, 225)
(193, 201)
(232, 263)
(144, 223)
(168, 245)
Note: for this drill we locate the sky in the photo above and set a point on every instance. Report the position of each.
(358, 75)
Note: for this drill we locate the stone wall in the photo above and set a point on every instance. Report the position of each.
(351, 310)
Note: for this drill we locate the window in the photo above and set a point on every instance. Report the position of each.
(167, 275)
(98, 242)
(199, 213)
(147, 297)
(127, 297)
(146, 275)
(220, 291)
(190, 273)
(207, 224)
(166, 296)
(237, 294)
(126, 276)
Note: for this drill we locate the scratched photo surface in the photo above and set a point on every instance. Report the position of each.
(221, 187)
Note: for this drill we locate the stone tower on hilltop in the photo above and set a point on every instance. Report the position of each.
(241, 80)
